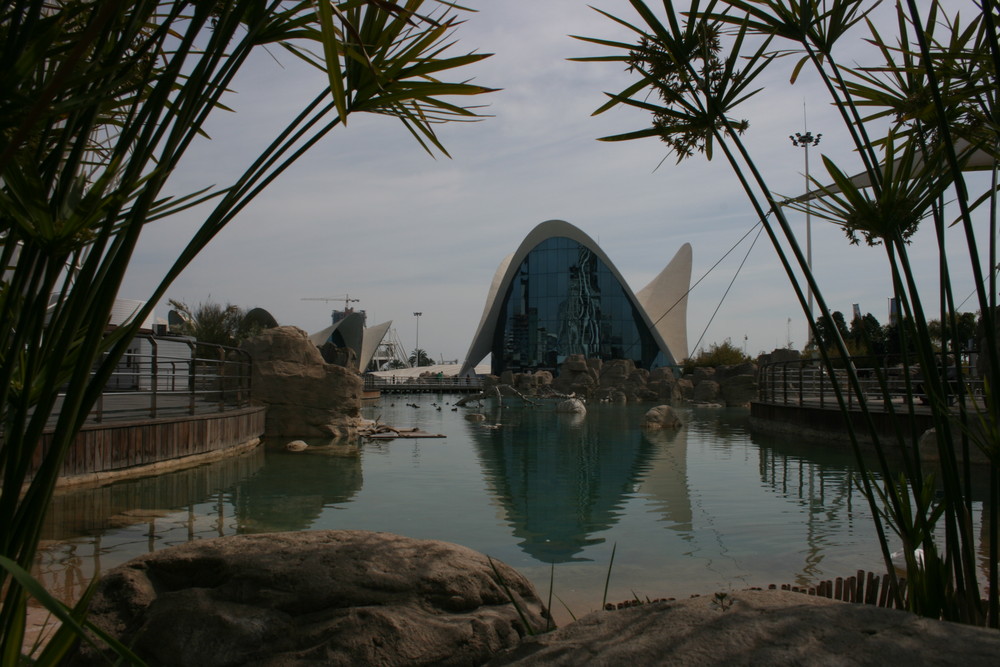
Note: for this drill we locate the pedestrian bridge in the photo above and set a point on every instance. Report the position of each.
(423, 385)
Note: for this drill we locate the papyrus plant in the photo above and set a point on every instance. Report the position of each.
(99, 103)
(920, 112)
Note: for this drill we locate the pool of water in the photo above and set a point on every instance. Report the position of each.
(704, 508)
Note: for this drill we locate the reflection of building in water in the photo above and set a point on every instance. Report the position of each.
(665, 481)
(559, 294)
(560, 480)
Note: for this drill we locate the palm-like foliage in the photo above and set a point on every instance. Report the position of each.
(101, 101)
(936, 84)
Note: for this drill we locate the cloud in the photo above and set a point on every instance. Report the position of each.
(368, 213)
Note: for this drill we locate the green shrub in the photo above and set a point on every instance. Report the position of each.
(717, 354)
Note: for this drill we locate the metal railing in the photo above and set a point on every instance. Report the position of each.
(169, 376)
(808, 382)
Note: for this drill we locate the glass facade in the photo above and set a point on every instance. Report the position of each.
(564, 300)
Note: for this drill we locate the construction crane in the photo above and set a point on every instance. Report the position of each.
(346, 299)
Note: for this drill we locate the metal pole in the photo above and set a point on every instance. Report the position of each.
(416, 350)
(806, 140)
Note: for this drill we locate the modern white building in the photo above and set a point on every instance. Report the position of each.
(559, 294)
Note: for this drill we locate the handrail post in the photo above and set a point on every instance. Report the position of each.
(801, 368)
(192, 376)
(154, 376)
(221, 378)
(822, 388)
(784, 383)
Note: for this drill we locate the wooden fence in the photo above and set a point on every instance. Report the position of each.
(863, 588)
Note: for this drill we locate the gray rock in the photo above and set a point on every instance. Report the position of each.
(686, 388)
(311, 598)
(703, 373)
(739, 390)
(662, 416)
(757, 628)
(305, 396)
(572, 406)
(706, 391)
(574, 363)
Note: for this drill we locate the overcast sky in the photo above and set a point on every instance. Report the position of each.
(369, 214)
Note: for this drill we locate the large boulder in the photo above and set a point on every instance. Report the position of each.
(306, 397)
(706, 391)
(572, 406)
(739, 390)
(576, 376)
(662, 416)
(757, 628)
(310, 598)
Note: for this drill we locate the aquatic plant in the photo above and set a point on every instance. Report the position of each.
(920, 112)
(101, 102)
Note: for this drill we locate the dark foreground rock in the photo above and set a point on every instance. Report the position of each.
(757, 628)
(313, 598)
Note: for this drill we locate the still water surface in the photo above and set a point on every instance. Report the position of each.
(705, 508)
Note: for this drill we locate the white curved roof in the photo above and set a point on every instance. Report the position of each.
(665, 298)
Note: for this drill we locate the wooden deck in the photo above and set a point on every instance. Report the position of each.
(129, 446)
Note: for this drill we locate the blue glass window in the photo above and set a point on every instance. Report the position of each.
(564, 300)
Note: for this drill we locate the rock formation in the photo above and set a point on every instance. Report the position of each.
(314, 597)
(572, 406)
(662, 416)
(619, 381)
(305, 396)
(757, 628)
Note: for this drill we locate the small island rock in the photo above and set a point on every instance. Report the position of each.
(662, 416)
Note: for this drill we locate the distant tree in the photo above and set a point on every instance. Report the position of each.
(395, 364)
(899, 335)
(867, 336)
(965, 330)
(214, 323)
(419, 358)
(827, 336)
(717, 354)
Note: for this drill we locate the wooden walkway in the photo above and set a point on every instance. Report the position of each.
(444, 385)
(123, 438)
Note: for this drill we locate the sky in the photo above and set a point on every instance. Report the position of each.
(368, 215)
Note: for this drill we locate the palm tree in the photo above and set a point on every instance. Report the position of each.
(919, 113)
(419, 358)
(102, 100)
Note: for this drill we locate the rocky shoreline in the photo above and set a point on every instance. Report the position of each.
(365, 598)
(619, 381)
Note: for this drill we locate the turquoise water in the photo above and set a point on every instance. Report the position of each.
(706, 508)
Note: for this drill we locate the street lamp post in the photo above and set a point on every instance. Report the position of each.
(804, 141)
(416, 351)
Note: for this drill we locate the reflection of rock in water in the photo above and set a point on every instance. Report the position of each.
(86, 511)
(559, 480)
(290, 492)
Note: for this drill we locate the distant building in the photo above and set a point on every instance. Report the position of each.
(349, 330)
(558, 294)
